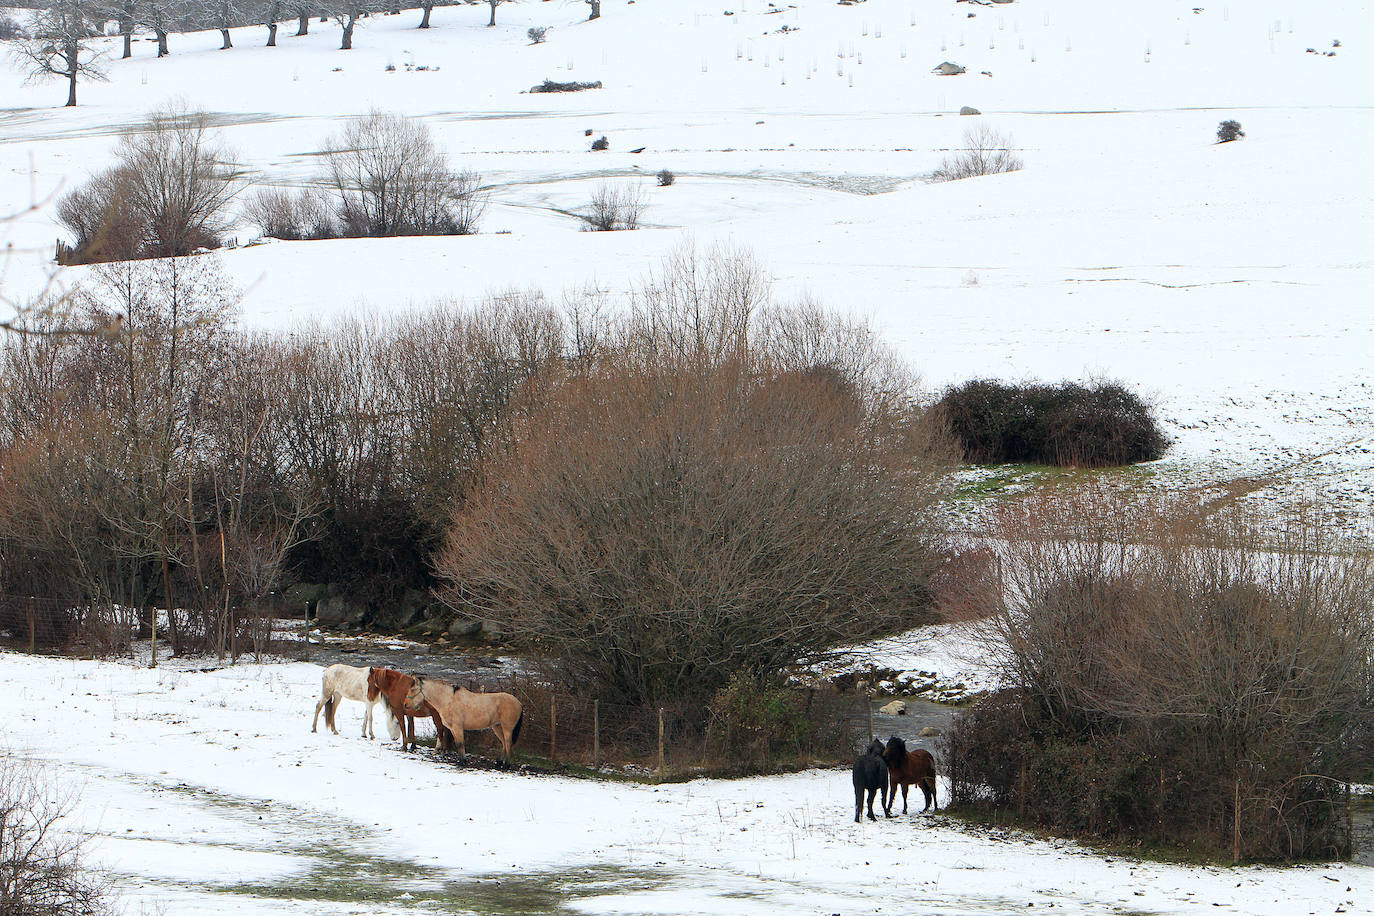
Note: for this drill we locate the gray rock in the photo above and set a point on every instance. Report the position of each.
(337, 610)
(492, 632)
(969, 110)
(930, 731)
(949, 68)
(895, 708)
(398, 615)
(461, 628)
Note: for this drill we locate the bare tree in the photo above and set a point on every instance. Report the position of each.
(166, 196)
(269, 15)
(125, 12)
(161, 16)
(392, 179)
(347, 13)
(222, 15)
(985, 152)
(60, 45)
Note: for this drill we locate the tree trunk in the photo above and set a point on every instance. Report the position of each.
(347, 37)
(596, 9)
(303, 24)
(71, 89)
(271, 34)
(493, 12)
(126, 28)
(228, 42)
(428, 8)
(161, 42)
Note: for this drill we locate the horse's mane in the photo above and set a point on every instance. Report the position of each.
(895, 754)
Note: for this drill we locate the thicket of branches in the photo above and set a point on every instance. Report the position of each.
(166, 195)
(384, 175)
(1174, 678)
(711, 486)
(41, 867)
(985, 152)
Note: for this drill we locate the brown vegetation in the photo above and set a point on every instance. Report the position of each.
(1175, 678)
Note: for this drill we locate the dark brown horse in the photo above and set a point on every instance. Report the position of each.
(906, 767)
(393, 685)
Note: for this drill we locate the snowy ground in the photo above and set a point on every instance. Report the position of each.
(209, 794)
(1228, 282)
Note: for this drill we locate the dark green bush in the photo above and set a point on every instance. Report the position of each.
(1066, 424)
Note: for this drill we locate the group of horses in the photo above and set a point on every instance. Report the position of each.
(883, 769)
(454, 710)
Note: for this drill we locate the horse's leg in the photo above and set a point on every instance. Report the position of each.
(331, 707)
(872, 796)
(858, 804)
(367, 719)
(318, 707)
(928, 789)
(889, 799)
(891, 792)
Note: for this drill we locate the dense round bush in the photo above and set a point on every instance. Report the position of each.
(1067, 424)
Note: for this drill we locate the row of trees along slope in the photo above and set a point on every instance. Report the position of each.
(64, 37)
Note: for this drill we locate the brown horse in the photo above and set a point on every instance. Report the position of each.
(462, 710)
(393, 685)
(906, 767)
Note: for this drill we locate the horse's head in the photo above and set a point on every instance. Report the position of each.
(415, 697)
(876, 747)
(895, 752)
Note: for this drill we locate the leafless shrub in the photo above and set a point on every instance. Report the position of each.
(683, 508)
(391, 178)
(536, 34)
(1177, 676)
(614, 207)
(666, 178)
(282, 213)
(41, 867)
(600, 144)
(166, 196)
(985, 152)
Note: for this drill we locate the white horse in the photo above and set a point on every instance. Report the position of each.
(344, 682)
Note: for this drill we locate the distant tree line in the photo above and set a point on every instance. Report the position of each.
(61, 41)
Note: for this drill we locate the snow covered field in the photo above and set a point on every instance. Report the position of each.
(209, 794)
(1231, 283)
(1228, 282)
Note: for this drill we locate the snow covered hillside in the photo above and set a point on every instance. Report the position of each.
(1229, 282)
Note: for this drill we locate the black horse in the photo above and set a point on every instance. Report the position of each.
(870, 774)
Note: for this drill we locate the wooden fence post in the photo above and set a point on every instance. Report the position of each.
(1235, 831)
(660, 742)
(553, 727)
(596, 733)
(33, 642)
(1349, 826)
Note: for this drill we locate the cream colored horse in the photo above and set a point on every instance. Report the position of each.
(462, 710)
(344, 682)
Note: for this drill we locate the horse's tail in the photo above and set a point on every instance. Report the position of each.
(515, 732)
(329, 706)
